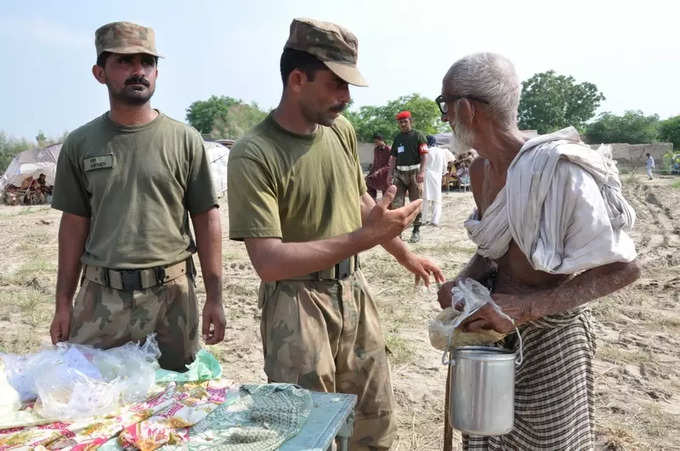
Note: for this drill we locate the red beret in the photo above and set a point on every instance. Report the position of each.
(404, 115)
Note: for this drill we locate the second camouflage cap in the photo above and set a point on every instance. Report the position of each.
(125, 38)
(335, 46)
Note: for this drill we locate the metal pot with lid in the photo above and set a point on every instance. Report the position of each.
(482, 390)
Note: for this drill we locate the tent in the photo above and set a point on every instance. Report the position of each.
(32, 163)
(218, 156)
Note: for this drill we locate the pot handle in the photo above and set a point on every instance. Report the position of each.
(449, 360)
(520, 357)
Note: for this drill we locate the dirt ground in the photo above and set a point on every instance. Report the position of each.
(637, 378)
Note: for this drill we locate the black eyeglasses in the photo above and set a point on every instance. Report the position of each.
(442, 100)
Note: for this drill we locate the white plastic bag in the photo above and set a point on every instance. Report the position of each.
(9, 397)
(73, 381)
(443, 330)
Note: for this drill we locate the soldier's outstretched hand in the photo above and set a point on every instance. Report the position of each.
(386, 223)
(423, 268)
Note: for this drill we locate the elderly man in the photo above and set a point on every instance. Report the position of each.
(551, 232)
(407, 164)
(127, 183)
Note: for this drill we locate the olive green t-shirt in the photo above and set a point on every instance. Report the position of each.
(406, 147)
(295, 187)
(137, 185)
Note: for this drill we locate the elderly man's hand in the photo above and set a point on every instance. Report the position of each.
(444, 296)
(487, 317)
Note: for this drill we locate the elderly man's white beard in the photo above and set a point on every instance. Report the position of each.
(462, 137)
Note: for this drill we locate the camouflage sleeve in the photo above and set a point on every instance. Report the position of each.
(70, 195)
(200, 193)
(251, 193)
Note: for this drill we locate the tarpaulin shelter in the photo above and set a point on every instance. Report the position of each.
(218, 156)
(32, 163)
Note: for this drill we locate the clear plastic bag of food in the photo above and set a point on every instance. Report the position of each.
(72, 381)
(443, 329)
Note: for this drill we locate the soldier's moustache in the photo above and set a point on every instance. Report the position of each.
(137, 81)
(339, 108)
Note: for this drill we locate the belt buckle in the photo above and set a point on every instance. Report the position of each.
(342, 269)
(131, 279)
(160, 275)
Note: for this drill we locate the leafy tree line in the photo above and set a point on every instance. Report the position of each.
(223, 117)
(370, 120)
(227, 117)
(548, 102)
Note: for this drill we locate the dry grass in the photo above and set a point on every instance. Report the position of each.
(637, 381)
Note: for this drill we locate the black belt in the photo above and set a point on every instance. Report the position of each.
(138, 279)
(340, 271)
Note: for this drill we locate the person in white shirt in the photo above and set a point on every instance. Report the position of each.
(435, 168)
(650, 166)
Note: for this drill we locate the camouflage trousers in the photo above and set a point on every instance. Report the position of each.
(406, 181)
(105, 318)
(326, 336)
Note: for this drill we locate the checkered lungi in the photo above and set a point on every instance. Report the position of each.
(553, 387)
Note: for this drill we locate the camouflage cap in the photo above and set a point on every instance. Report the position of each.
(125, 38)
(332, 44)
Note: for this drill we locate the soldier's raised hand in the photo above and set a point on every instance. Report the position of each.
(384, 223)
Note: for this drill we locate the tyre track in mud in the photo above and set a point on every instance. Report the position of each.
(656, 230)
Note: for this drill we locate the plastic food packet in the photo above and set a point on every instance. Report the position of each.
(72, 381)
(443, 329)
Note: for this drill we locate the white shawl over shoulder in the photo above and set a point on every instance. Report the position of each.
(563, 206)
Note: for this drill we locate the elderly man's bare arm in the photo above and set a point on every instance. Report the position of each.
(585, 287)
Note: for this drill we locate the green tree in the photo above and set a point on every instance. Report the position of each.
(633, 128)
(550, 101)
(237, 121)
(370, 119)
(202, 113)
(9, 147)
(669, 131)
(223, 117)
(41, 139)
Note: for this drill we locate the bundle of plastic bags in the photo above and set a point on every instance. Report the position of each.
(71, 382)
(443, 330)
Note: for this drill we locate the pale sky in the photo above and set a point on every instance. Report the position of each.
(630, 50)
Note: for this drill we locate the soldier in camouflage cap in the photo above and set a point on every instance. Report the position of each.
(125, 38)
(304, 213)
(332, 44)
(127, 183)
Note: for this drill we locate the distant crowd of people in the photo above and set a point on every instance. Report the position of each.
(32, 191)
(418, 167)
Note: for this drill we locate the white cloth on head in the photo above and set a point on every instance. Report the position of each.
(562, 205)
(435, 167)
